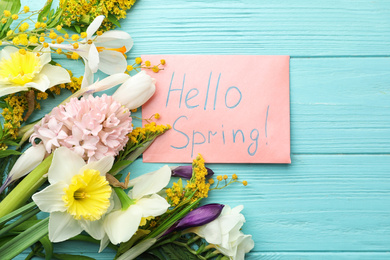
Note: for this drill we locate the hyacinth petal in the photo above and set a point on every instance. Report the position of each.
(94, 26)
(112, 62)
(152, 183)
(50, 198)
(135, 91)
(120, 225)
(186, 172)
(153, 206)
(30, 159)
(64, 166)
(103, 165)
(62, 226)
(55, 74)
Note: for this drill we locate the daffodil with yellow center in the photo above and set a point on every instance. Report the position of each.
(20, 71)
(78, 197)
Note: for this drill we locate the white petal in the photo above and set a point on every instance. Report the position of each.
(93, 58)
(88, 75)
(115, 39)
(104, 243)
(11, 89)
(151, 184)
(5, 53)
(109, 82)
(62, 226)
(65, 165)
(120, 225)
(45, 56)
(30, 159)
(211, 232)
(112, 62)
(40, 82)
(94, 26)
(135, 91)
(55, 74)
(50, 198)
(153, 206)
(93, 228)
(103, 165)
(244, 244)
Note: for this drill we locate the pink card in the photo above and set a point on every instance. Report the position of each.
(229, 108)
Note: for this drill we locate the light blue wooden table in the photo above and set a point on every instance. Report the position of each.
(333, 201)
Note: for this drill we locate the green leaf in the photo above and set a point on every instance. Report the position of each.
(20, 220)
(175, 252)
(6, 153)
(1, 131)
(78, 30)
(114, 20)
(9, 142)
(45, 11)
(72, 257)
(120, 165)
(25, 239)
(48, 246)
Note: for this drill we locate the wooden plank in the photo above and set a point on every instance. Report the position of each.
(296, 28)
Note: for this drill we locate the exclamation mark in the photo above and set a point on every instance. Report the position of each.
(266, 120)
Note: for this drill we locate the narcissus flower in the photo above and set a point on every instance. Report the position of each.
(143, 202)
(19, 72)
(78, 196)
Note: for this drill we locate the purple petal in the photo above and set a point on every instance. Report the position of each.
(186, 172)
(198, 217)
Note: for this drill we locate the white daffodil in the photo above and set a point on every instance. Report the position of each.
(224, 233)
(143, 202)
(78, 196)
(19, 72)
(30, 159)
(104, 52)
(135, 91)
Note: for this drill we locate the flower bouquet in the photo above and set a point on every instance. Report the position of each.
(70, 166)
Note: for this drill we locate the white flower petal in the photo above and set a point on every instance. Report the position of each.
(30, 159)
(120, 225)
(88, 75)
(135, 91)
(94, 26)
(103, 165)
(40, 82)
(153, 206)
(211, 232)
(109, 82)
(151, 184)
(55, 74)
(64, 166)
(104, 243)
(62, 226)
(93, 58)
(93, 228)
(112, 62)
(11, 89)
(115, 39)
(5, 53)
(45, 54)
(50, 198)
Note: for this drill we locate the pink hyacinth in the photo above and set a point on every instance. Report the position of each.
(93, 127)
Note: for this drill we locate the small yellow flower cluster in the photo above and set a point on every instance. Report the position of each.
(148, 132)
(83, 12)
(146, 65)
(73, 86)
(175, 194)
(13, 117)
(224, 179)
(198, 183)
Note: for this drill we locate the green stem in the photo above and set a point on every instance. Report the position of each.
(23, 191)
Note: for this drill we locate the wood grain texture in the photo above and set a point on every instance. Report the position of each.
(331, 202)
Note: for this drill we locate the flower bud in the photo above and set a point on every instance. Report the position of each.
(186, 172)
(135, 91)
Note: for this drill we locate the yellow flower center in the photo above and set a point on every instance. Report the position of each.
(20, 68)
(87, 196)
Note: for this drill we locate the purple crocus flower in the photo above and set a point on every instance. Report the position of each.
(186, 172)
(198, 217)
